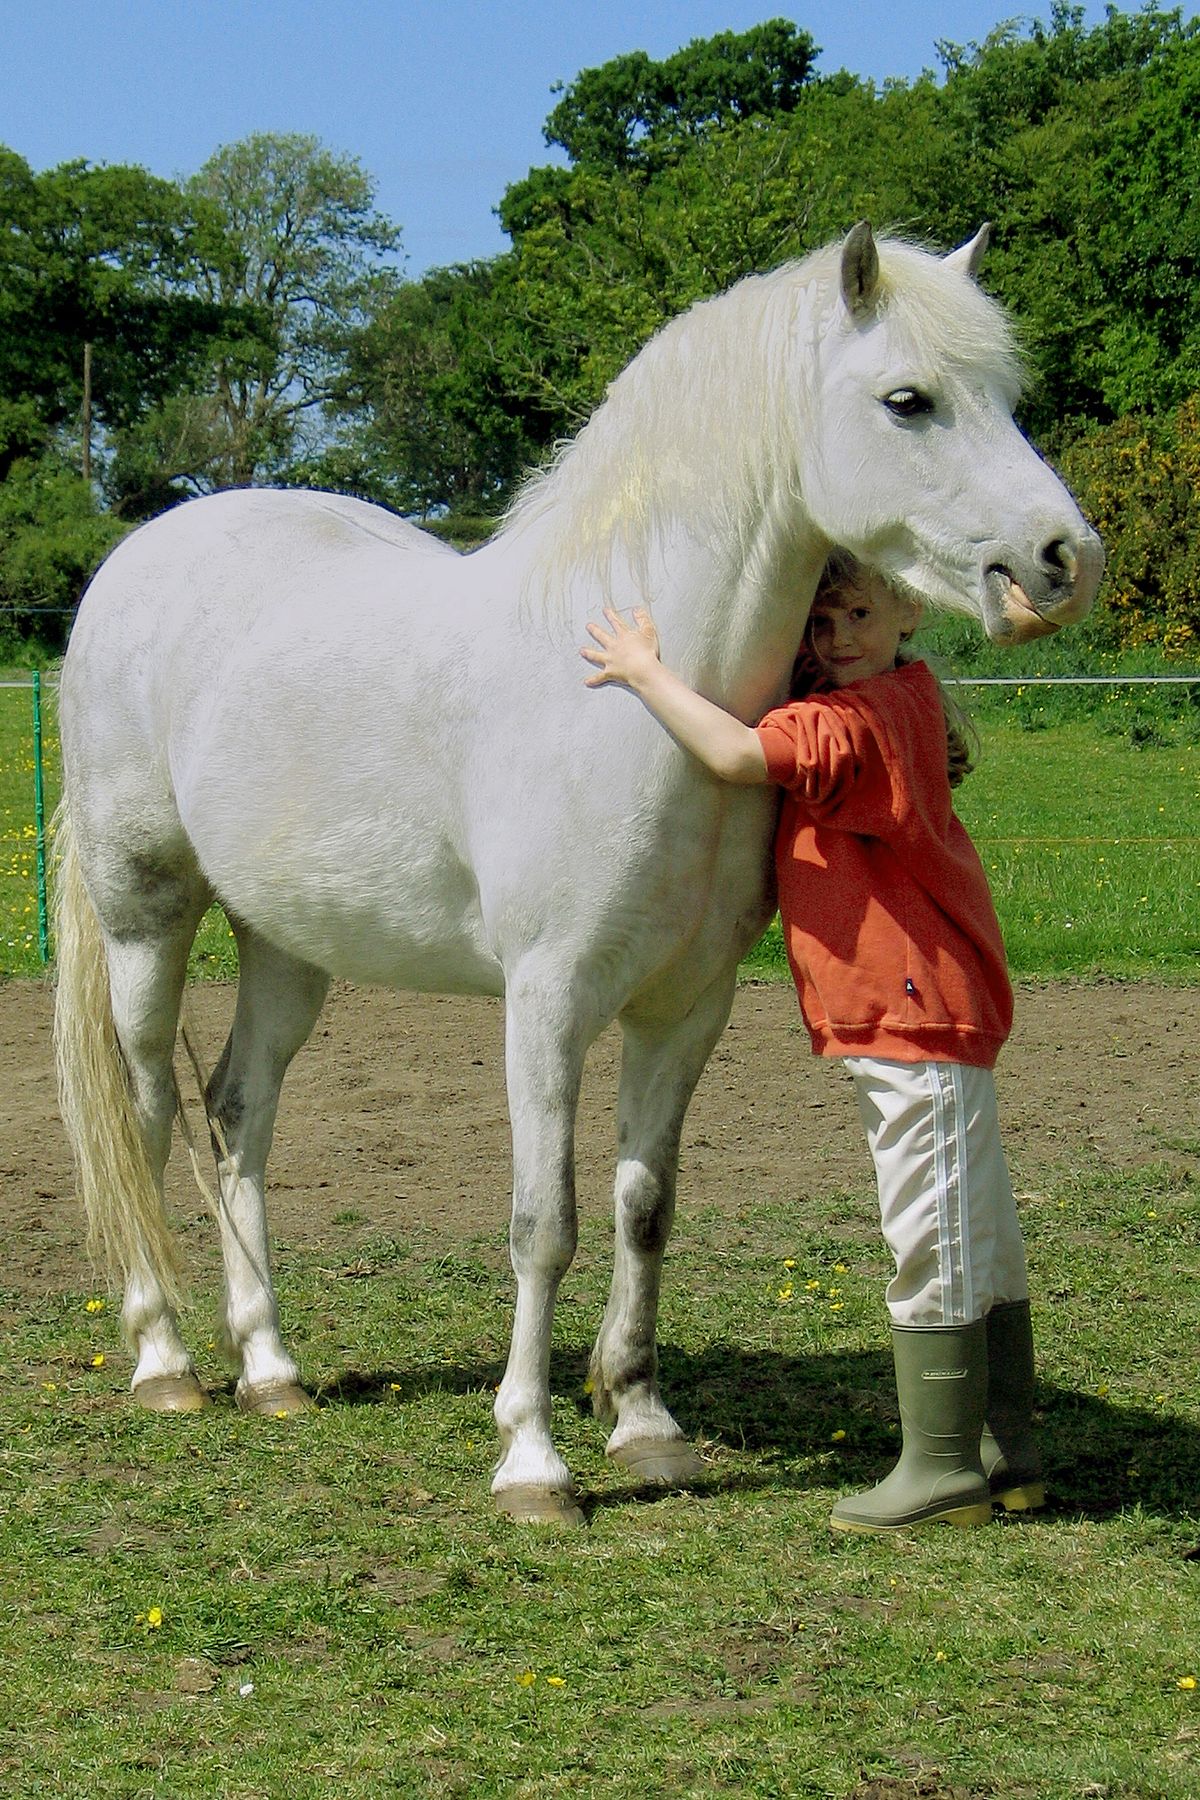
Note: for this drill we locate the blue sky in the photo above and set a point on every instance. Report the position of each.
(442, 101)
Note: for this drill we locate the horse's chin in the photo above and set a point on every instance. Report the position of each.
(1009, 615)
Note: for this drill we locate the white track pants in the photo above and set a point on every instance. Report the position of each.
(945, 1198)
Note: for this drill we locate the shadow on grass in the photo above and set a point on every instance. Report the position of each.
(1101, 1457)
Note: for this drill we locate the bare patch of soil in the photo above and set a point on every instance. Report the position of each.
(394, 1114)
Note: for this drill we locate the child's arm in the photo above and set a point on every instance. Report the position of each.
(630, 655)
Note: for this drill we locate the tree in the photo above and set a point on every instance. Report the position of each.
(292, 254)
(52, 536)
(439, 419)
(633, 112)
(99, 257)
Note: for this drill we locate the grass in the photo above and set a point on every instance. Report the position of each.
(221, 1606)
(1085, 807)
(253, 1609)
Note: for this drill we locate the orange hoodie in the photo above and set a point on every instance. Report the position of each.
(889, 924)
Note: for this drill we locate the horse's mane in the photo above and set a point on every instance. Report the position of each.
(703, 423)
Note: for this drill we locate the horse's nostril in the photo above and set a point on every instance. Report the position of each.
(1059, 558)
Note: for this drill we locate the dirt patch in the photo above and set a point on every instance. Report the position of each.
(394, 1114)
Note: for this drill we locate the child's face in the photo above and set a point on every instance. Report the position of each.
(856, 632)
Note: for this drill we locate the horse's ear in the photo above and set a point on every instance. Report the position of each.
(860, 270)
(968, 257)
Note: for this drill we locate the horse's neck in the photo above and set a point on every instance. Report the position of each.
(732, 626)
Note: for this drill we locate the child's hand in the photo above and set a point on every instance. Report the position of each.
(624, 652)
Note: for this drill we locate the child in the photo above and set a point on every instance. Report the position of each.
(897, 958)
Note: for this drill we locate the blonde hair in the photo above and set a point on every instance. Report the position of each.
(844, 574)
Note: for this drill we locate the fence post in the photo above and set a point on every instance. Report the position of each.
(39, 815)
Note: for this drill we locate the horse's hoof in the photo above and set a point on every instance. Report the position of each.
(660, 1462)
(279, 1402)
(528, 1505)
(171, 1393)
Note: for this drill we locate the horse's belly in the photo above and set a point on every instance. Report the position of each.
(378, 901)
(438, 948)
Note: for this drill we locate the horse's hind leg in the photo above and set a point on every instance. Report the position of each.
(146, 977)
(660, 1068)
(278, 1001)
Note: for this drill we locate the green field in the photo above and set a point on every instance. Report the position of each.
(1085, 807)
(260, 1610)
(249, 1609)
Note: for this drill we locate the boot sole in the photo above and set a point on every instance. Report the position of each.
(1027, 1496)
(964, 1517)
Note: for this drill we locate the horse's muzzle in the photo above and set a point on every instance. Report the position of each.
(1060, 591)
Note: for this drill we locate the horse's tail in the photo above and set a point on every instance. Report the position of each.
(128, 1234)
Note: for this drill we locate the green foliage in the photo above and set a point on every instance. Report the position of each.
(95, 256)
(634, 113)
(431, 421)
(52, 536)
(249, 325)
(291, 252)
(1139, 481)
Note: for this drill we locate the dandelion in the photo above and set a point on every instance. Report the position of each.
(152, 1620)
(1186, 1682)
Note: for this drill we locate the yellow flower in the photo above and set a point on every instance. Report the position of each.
(555, 1681)
(939, 1656)
(836, 1437)
(785, 1293)
(94, 1306)
(152, 1620)
(98, 1361)
(1187, 1683)
(789, 1262)
(811, 1287)
(526, 1678)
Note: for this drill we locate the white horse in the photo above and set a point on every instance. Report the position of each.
(380, 757)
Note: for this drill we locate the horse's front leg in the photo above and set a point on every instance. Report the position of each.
(660, 1068)
(544, 1051)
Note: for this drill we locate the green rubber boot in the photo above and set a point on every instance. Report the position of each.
(941, 1383)
(1009, 1452)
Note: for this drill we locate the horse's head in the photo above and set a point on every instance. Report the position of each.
(915, 464)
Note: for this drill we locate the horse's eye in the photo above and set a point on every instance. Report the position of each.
(908, 403)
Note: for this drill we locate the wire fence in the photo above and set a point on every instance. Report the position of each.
(36, 685)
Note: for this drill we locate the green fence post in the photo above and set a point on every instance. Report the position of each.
(39, 814)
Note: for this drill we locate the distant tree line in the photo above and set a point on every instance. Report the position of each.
(250, 325)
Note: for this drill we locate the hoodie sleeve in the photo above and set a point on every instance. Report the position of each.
(831, 756)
